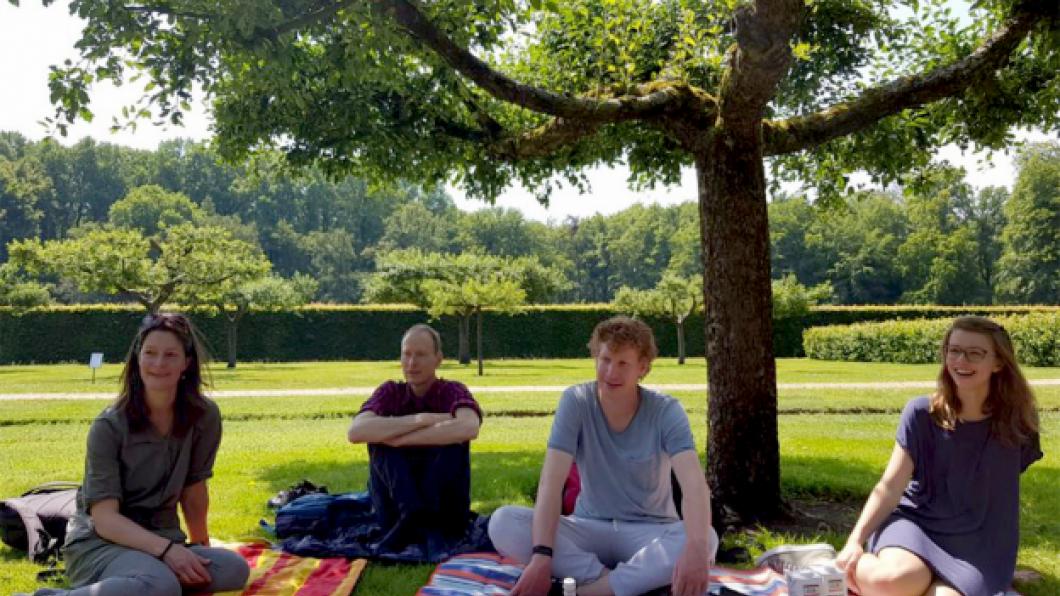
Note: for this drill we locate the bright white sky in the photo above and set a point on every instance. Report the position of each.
(33, 37)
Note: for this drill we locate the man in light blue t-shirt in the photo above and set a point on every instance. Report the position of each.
(625, 536)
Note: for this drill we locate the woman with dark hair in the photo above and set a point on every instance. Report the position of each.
(944, 518)
(149, 452)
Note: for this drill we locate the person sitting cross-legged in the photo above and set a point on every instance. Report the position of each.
(418, 433)
(147, 454)
(625, 536)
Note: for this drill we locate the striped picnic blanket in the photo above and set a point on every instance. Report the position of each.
(489, 574)
(275, 573)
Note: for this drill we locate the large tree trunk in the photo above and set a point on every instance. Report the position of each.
(464, 350)
(743, 459)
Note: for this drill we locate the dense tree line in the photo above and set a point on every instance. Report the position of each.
(932, 239)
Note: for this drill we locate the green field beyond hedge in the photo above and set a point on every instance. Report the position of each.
(834, 444)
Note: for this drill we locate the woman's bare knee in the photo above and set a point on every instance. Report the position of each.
(893, 572)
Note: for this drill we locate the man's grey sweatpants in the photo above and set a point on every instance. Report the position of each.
(642, 554)
(137, 573)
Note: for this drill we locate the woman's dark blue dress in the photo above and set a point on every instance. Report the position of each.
(960, 512)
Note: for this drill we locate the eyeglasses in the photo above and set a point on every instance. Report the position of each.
(973, 355)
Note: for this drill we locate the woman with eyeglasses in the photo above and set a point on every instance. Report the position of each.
(944, 518)
(149, 452)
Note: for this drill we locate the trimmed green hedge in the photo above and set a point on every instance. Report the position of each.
(345, 332)
(1036, 337)
(325, 332)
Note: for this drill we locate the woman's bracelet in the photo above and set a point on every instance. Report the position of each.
(162, 556)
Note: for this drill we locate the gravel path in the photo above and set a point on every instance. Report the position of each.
(365, 391)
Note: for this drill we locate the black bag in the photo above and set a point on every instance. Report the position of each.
(36, 521)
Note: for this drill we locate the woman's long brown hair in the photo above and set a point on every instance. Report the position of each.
(1010, 402)
(190, 403)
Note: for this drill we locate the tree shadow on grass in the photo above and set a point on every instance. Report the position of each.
(497, 477)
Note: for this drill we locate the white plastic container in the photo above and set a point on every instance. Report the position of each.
(804, 582)
(570, 587)
(833, 581)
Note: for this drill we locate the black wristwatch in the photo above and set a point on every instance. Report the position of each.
(541, 549)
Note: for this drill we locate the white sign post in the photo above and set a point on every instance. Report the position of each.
(95, 361)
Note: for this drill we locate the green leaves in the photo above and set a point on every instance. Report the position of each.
(402, 276)
(674, 298)
(1029, 270)
(183, 262)
(1035, 337)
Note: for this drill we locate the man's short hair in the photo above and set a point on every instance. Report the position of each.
(624, 331)
(436, 338)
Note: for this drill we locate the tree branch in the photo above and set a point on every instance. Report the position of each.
(804, 132)
(759, 60)
(644, 102)
(544, 141)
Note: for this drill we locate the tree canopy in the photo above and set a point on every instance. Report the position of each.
(1030, 262)
(184, 264)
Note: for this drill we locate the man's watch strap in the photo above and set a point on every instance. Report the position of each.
(541, 549)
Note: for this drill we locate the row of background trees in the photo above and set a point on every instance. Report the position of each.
(934, 239)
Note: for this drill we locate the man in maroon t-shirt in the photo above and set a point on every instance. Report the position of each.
(417, 434)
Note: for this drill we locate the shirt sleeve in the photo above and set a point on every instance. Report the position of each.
(462, 398)
(676, 432)
(566, 424)
(907, 427)
(376, 404)
(1031, 452)
(207, 439)
(102, 463)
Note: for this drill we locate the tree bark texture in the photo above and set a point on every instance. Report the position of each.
(463, 342)
(681, 342)
(232, 333)
(478, 338)
(743, 459)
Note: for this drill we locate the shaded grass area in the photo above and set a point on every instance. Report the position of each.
(272, 443)
(76, 378)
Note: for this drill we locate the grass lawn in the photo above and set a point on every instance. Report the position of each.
(76, 378)
(834, 444)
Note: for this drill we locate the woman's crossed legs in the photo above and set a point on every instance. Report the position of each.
(897, 572)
